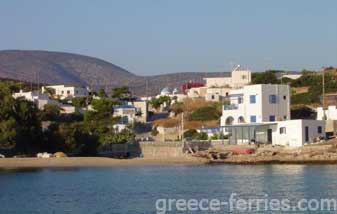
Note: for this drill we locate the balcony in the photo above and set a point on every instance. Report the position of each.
(230, 107)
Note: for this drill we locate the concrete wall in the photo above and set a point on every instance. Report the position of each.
(161, 150)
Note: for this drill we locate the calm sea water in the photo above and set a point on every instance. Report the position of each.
(136, 189)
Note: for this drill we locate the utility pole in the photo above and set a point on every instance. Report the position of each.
(182, 127)
(323, 94)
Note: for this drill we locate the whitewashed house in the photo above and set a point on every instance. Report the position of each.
(257, 104)
(217, 88)
(296, 133)
(329, 113)
(238, 79)
(40, 99)
(142, 107)
(67, 92)
(261, 114)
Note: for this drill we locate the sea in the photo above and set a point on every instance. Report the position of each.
(170, 189)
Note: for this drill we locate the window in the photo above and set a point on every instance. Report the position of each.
(253, 119)
(284, 117)
(272, 99)
(212, 97)
(319, 129)
(68, 92)
(243, 77)
(62, 92)
(282, 130)
(272, 118)
(306, 133)
(252, 99)
(240, 100)
(76, 91)
(284, 97)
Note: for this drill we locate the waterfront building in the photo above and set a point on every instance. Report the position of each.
(257, 104)
(261, 114)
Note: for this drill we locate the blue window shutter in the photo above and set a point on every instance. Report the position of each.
(252, 98)
(272, 118)
(253, 119)
(272, 99)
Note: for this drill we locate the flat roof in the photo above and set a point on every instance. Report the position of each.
(244, 125)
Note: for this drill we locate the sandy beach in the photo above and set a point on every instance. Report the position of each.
(95, 162)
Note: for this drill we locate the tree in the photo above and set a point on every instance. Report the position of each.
(102, 109)
(202, 136)
(157, 102)
(191, 133)
(121, 92)
(80, 102)
(7, 134)
(267, 77)
(50, 113)
(205, 114)
(101, 93)
(19, 123)
(50, 91)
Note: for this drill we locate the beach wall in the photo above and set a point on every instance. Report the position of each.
(162, 150)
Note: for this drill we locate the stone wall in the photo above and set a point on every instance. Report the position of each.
(158, 150)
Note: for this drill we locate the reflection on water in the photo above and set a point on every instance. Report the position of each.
(135, 189)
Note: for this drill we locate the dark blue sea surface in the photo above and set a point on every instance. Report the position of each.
(135, 189)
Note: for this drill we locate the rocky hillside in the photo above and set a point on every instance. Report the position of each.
(66, 68)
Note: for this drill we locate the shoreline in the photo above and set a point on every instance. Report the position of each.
(6, 163)
(76, 162)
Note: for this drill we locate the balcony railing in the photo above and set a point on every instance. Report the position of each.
(230, 107)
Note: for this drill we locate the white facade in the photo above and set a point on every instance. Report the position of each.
(127, 113)
(143, 108)
(40, 99)
(216, 94)
(238, 79)
(66, 92)
(296, 133)
(257, 104)
(329, 113)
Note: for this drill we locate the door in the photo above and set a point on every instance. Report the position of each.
(270, 135)
(306, 134)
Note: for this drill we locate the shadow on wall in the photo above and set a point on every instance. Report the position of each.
(303, 112)
(125, 150)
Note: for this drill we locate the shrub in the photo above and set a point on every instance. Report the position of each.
(205, 114)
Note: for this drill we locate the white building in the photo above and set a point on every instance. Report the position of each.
(136, 111)
(329, 113)
(67, 92)
(238, 79)
(217, 94)
(293, 133)
(142, 107)
(40, 99)
(297, 133)
(261, 114)
(257, 104)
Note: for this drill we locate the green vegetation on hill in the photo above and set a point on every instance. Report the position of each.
(310, 79)
(205, 114)
(21, 126)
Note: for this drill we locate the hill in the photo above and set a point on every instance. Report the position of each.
(66, 68)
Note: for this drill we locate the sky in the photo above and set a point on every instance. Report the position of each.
(150, 37)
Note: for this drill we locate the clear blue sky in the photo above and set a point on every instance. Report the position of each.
(157, 36)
